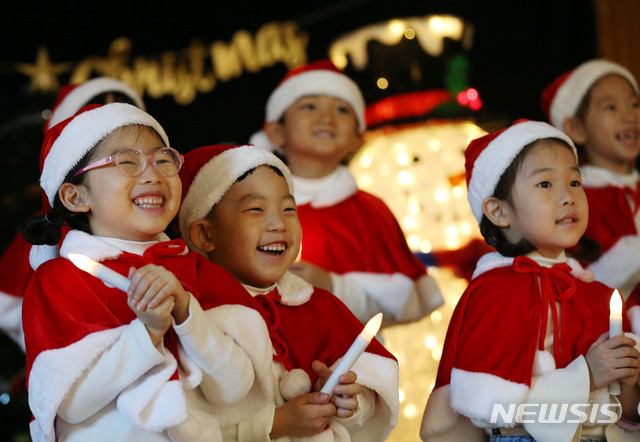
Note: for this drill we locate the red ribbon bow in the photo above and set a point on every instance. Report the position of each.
(555, 285)
(269, 311)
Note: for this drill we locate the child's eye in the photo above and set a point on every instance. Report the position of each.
(308, 106)
(254, 209)
(343, 110)
(290, 210)
(575, 183)
(544, 184)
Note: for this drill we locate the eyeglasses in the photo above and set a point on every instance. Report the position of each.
(167, 161)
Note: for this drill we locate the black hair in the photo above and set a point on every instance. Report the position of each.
(242, 177)
(114, 96)
(494, 235)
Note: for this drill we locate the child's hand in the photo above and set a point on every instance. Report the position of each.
(157, 320)
(152, 284)
(303, 416)
(345, 394)
(613, 359)
(313, 274)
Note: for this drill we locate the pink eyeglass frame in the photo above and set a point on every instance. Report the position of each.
(113, 158)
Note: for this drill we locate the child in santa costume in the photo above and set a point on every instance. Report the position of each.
(147, 364)
(352, 244)
(532, 327)
(598, 106)
(238, 210)
(15, 270)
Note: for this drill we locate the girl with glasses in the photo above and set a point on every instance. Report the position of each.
(149, 363)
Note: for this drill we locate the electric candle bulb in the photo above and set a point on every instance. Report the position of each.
(354, 352)
(615, 329)
(108, 276)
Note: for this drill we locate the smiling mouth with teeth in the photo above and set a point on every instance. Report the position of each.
(149, 202)
(273, 249)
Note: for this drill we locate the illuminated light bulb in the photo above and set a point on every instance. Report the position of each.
(433, 384)
(396, 27)
(452, 231)
(340, 60)
(382, 83)
(402, 159)
(409, 222)
(436, 316)
(401, 395)
(441, 195)
(425, 246)
(457, 191)
(465, 228)
(431, 342)
(365, 161)
(405, 177)
(436, 353)
(414, 208)
(365, 181)
(410, 410)
(472, 94)
(435, 145)
(409, 33)
(413, 241)
(452, 242)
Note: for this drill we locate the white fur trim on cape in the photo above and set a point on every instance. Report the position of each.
(255, 341)
(608, 268)
(39, 254)
(316, 82)
(217, 176)
(495, 260)
(326, 191)
(85, 131)
(83, 93)
(294, 383)
(294, 290)
(500, 153)
(596, 177)
(474, 394)
(569, 95)
(11, 317)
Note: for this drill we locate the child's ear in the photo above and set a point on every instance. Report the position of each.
(200, 236)
(574, 127)
(496, 211)
(73, 197)
(275, 132)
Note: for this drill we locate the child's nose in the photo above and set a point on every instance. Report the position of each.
(275, 222)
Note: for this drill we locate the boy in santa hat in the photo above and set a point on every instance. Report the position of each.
(238, 210)
(15, 270)
(598, 106)
(531, 330)
(152, 362)
(352, 244)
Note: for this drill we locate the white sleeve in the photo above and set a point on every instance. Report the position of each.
(257, 427)
(398, 297)
(227, 370)
(120, 365)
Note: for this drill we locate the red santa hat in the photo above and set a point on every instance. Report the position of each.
(74, 96)
(487, 157)
(562, 97)
(210, 171)
(317, 78)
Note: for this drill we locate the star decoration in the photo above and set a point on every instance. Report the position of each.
(44, 74)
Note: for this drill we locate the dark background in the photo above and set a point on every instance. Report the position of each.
(518, 48)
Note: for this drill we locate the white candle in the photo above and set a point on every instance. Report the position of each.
(359, 345)
(615, 329)
(108, 276)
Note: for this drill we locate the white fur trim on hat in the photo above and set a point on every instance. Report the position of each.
(84, 92)
(82, 133)
(573, 89)
(316, 82)
(217, 176)
(500, 153)
(261, 139)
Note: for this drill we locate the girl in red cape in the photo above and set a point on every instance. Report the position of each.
(532, 327)
(238, 210)
(146, 364)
